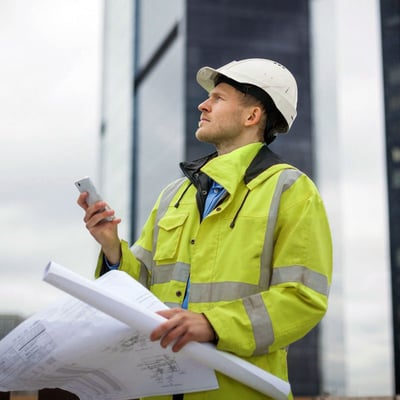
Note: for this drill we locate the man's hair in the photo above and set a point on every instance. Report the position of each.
(273, 121)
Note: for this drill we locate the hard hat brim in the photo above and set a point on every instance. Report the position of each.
(206, 78)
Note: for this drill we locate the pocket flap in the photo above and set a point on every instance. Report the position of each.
(172, 221)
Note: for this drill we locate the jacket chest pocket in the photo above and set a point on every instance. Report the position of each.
(170, 230)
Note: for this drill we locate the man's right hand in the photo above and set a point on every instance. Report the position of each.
(105, 232)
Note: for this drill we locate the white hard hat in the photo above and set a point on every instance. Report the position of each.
(270, 76)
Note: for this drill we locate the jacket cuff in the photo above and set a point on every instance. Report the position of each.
(102, 267)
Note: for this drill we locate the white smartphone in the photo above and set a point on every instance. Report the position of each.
(86, 185)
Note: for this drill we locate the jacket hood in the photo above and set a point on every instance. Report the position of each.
(263, 160)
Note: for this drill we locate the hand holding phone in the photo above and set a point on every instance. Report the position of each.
(86, 185)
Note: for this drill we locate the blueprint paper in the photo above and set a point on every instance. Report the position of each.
(73, 346)
(129, 355)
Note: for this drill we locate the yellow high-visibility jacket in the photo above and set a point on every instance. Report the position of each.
(260, 263)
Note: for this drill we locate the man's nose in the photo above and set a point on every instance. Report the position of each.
(204, 106)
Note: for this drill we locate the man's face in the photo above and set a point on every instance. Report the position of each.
(222, 117)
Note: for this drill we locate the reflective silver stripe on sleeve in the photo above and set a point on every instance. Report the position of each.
(142, 254)
(286, 179)
(311, 279)
(260, 322)
(144, 275)
(220, 291)
(145, 258)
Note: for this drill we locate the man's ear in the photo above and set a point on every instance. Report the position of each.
(254, 116)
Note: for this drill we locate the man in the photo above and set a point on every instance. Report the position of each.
(240, 248)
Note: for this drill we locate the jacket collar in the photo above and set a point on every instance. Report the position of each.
(224, 168)
(192, 168)
(264, 159)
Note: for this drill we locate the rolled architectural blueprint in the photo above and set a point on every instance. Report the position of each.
(139, 313)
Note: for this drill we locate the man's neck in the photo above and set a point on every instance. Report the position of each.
(227, 148)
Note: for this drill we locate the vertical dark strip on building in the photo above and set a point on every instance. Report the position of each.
(390, 21)
(219, 31)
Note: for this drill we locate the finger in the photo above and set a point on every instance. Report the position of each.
(180, 343)
(164, 328)
(96, 209)
(174, 335)
(82, 200)
(171, 312)
(179, 336)
(160, 331)
(97, 219)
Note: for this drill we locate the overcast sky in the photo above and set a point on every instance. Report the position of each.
(50, 68)
(50, 65)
